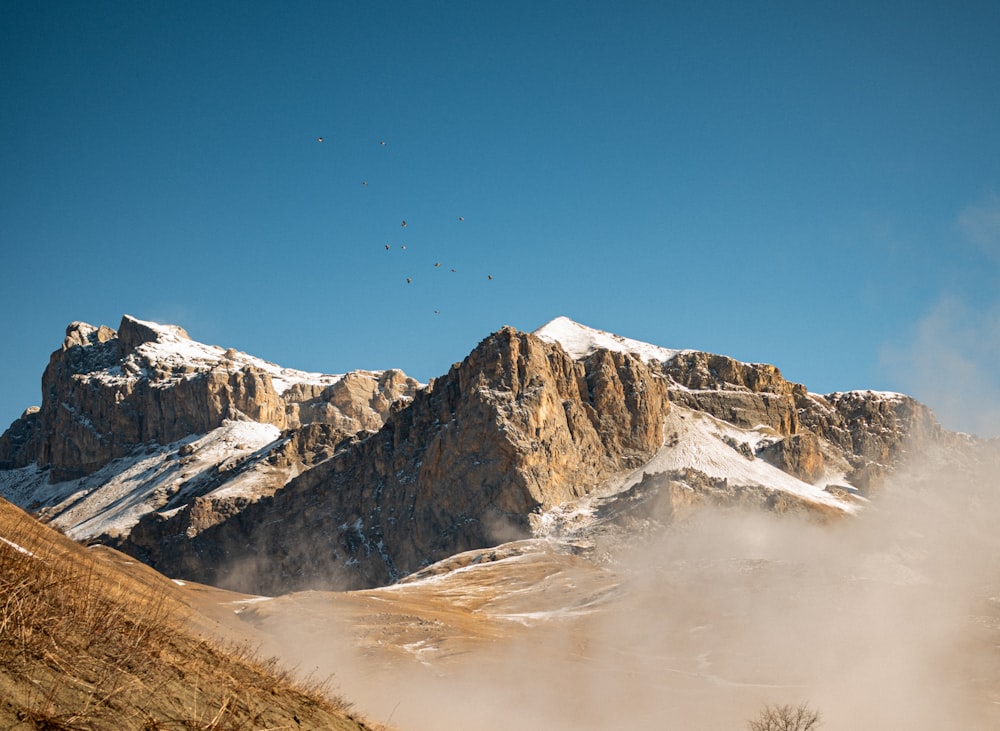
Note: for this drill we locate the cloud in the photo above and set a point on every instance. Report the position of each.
(949, 358)
(949, 362)
(887, 620)
(980, 224)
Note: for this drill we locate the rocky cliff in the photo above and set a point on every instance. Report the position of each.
(871, 430)
(357, 480)
(517, 427)
(104, 392)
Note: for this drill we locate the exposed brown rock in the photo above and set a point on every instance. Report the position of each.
(14, 442)
(517, 426)
(799, 454)
(373, 478)
(745, 394)
(872, 429)
(103, 394)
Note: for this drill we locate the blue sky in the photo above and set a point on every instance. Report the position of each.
(810, 185)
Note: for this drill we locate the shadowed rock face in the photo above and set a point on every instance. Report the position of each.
(517, 426)
(872, 430)
(103, 393)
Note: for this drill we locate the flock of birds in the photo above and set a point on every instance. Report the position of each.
(388, 247)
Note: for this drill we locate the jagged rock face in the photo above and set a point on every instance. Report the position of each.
(745, 394)
(14, 443)
(799, 454)
(373, 477)
(870, 429)
(104, 392)
(359, 401)
(873, 430)
(517, 426)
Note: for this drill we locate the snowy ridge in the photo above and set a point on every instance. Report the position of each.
(701, 441)
(580, 341)
(694, 439)
(867, 393)
(175, 350)
(114, 498)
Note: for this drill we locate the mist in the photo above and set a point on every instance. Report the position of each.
(886, 619)
(949, 362)
(889, 619)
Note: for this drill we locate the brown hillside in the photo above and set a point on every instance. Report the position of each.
(85, 645)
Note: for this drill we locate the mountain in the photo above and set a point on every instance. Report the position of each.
(220, 467)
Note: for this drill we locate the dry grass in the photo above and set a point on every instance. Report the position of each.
(86, 646)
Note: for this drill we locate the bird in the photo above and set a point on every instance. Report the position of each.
(319, 139)
(437, 263)
(403, 224)
(403, 247)
(364, 182)
(408, 280)
(490, 277)
(454, 270)
(437, 312)
(461, 218)
(382, 142)
(387, 247)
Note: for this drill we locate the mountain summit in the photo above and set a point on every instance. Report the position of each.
(221, 467)
(104, 392)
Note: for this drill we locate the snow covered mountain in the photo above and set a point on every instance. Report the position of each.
(221, 467)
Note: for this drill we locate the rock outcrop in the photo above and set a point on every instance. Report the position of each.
(873, 430)
(744, 394)
(267, 480)
(516, 427)
(798, 454)
(104, 392)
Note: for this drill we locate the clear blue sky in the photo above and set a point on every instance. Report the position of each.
(813, 185)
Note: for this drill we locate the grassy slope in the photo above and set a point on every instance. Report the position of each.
(87, 645)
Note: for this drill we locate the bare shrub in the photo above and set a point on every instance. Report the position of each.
(785, 718)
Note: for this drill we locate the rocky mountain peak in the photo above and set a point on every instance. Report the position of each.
(579, 341)
(268, 479)
(104, 392)
(133, 332)
(518, 426)
(81, 334)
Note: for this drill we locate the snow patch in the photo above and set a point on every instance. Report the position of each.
(580, 341)
(113, 499)
(867, 394)
(701, 441)
(243, 604)
(694, 439)
(174, 352)
(17, 548)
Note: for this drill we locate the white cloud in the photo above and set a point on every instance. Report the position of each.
(980, 223)
(950, 358)
(950, 362)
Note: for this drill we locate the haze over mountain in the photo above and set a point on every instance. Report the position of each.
(566, 513)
